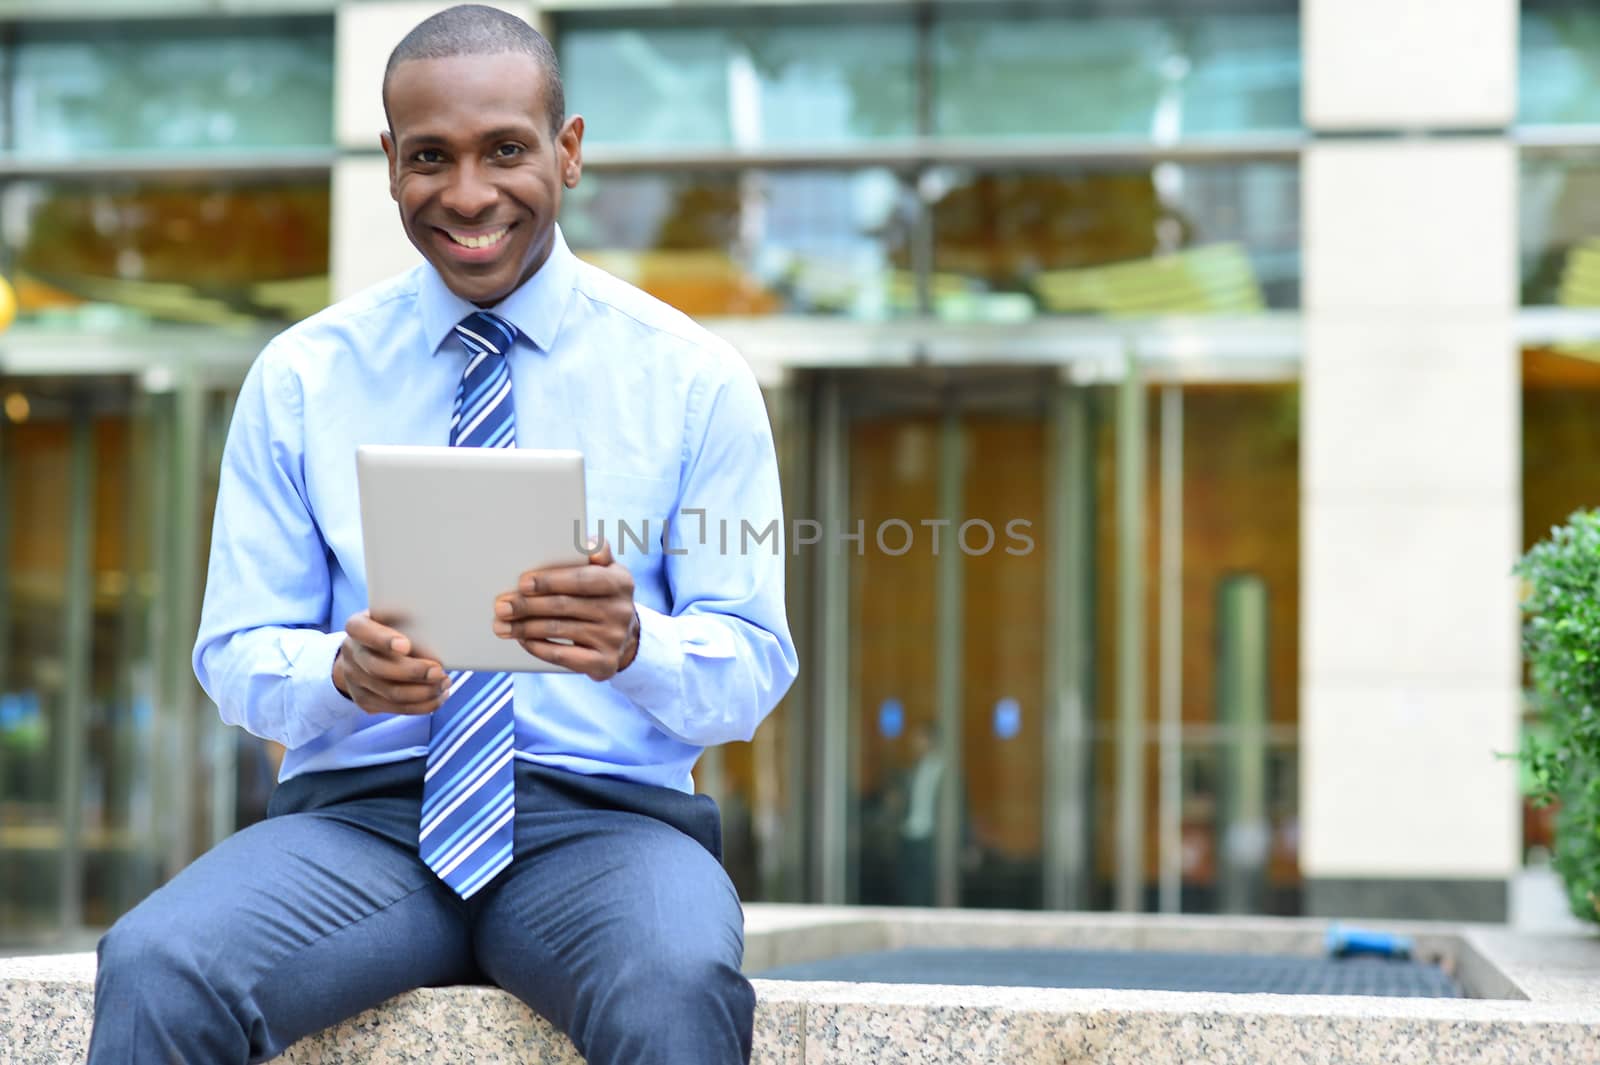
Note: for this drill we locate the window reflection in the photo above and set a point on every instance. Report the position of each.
(804, 242)
(1560, 231)
(741, 83)
(1159, 70)
(1559, 80)
(1201, 239)
(85, 87)
(1159, 75)
(213, 252)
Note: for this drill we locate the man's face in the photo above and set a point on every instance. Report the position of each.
(474, 168)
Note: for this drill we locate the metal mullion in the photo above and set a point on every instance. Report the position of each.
(165, 766)
(1557, 140)
(783, 872)
(927, 72)
(949, 695)
(77, 661)
(1069, 625)
(179, 617)
(1054, 153)
(799, 442)
(8, 76)
(832, 638)
(58, 11)
(1130, 639)
(1262, 347)
(604, 7)
(1170, 802)
(1204, 734)
(249, 166)
(133, 644)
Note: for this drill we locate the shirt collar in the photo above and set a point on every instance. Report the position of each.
(535, 307)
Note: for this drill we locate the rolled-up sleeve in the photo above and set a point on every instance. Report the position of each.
(264, 652)
(711, 670)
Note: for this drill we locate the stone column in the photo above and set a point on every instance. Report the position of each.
(1411, 494)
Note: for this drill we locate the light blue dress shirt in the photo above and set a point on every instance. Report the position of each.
(669, 419)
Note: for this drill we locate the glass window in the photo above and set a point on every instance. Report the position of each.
(1559, 63)
(1560, 230)
(1169, 239)
(1003, 70)
(742, 83)
(115, 254)
(110, 87)
(801, 242)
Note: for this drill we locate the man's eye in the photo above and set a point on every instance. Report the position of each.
(507, 151)
(429, 156)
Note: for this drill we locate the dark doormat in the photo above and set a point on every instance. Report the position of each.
(1134, 970)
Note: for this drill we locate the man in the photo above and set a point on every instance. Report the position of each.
(917, 870)
(536, 831)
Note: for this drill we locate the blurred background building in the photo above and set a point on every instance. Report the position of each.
(1274, 321)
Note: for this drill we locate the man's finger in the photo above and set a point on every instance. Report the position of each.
(374, 702)
(376, 636)
(515, 607)
(415, 698)
(601, 556)
(582, 633)
(578, 580)
(392, 667)
(578, 659)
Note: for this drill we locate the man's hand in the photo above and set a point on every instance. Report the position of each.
(377, 670)
(589, 607)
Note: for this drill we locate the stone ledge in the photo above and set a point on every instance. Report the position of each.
(1540, 1003)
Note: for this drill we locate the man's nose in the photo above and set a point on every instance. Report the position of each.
(469, 192)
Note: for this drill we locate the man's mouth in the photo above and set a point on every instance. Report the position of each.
(484, 239)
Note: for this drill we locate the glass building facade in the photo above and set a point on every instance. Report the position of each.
(1025, 276)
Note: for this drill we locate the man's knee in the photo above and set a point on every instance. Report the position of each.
(145, 955)
(667, 1007)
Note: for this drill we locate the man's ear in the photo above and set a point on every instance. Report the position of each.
(392, 154)
(570, 143)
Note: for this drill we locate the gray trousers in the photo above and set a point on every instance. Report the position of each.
(615, 920)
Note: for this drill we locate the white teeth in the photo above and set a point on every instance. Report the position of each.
(482, 240)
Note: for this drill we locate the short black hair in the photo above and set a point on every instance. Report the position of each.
(473, 29)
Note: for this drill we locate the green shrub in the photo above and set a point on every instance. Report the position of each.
(1561, 639)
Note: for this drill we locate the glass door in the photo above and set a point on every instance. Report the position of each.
(114, 771)
(950, 551)
(77, 820)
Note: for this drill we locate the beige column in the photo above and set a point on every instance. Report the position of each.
(1411, 494)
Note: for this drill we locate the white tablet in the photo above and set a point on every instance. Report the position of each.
(446, 530)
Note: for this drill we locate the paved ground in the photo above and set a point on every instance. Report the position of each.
(1129, 970)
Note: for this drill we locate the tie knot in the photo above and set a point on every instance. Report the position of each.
(482, 331)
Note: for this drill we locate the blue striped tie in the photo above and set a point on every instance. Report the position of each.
(467, 793)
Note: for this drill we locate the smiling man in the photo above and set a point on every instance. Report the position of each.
(536, 831)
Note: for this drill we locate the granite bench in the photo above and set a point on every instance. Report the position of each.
(1535, 999)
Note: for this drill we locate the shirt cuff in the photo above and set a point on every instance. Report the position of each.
(319, 705)
(651, 679)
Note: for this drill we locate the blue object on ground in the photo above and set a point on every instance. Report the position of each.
(1342, 942)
